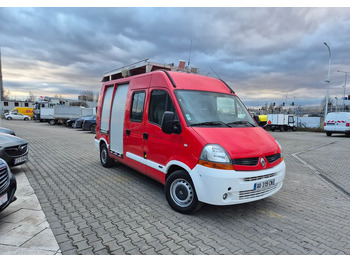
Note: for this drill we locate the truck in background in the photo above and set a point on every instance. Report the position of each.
(58, 110)
(281, 121)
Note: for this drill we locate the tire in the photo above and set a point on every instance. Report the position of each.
(93, 129)
(273, 128)
(26, 119)
(52, 122)
(294, 128)
(282, 128)
(328, 133)
(180, 193)
(9, 118)
(106, 161)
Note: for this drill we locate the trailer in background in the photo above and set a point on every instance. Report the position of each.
(60, 114)
(281, 121)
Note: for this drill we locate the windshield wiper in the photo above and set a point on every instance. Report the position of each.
(241, 123)
(211, 123)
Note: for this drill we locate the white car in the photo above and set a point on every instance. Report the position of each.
(337, 122)
(19, 116)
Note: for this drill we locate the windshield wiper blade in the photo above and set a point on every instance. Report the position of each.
(211, 123)
(241, 123)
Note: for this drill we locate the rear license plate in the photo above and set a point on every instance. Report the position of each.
(3, 199)
(264, 184)
(21, 159)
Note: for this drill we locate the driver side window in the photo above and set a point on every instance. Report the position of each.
(159, 103)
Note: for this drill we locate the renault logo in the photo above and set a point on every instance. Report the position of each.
(263, 162)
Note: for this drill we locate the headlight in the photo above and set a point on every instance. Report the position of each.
(214, 156)
(280, 147)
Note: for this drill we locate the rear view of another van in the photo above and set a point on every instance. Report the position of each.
(337, 122)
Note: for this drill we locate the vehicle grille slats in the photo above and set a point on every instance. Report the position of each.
(255, 193)
(249, 179)
(253, 161)
(273, 158)
(16, 150)
(4, 178)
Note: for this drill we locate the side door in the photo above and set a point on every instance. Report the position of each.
(159, 148)
(117, 120)
(134, 130)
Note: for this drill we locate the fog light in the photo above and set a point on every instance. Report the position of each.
(224, 196)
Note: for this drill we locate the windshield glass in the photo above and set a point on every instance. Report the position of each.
(202, 108)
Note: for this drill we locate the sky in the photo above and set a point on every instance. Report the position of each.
(266, 54)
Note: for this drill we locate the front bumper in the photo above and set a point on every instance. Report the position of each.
(9, 192)
(228, 187)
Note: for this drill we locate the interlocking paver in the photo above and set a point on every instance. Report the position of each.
(94, 210)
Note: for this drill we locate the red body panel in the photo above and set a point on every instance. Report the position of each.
(161, 148)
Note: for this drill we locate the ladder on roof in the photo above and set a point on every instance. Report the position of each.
(145, 66)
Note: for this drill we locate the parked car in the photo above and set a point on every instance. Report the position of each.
(7, 131)
(90, 125)
(70, 122)
(17, 116)
(13, 149)
(8, 186)
(79, 122)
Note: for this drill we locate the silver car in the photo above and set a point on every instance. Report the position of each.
(13, 149)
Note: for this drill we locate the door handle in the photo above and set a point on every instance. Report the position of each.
(145, 136)
(127, 132)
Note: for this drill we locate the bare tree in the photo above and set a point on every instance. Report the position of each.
(86, 95)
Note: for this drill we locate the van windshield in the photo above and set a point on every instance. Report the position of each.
(209, 109)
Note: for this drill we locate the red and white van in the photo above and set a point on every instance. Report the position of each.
(191, 133)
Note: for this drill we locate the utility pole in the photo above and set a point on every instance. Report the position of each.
(328, 80)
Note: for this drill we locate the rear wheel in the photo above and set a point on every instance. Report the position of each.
(106, 161)
(52, 122)
(180, 193)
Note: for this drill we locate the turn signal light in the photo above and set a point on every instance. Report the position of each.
(215, 165)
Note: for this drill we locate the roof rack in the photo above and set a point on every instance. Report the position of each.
(145, 66)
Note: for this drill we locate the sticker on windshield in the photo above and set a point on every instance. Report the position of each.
(188, 117)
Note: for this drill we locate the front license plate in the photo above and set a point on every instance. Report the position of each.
(3, 199)
(21, 159)
(264, 184)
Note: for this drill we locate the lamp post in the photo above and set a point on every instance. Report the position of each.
(328, 80)
(346, 76)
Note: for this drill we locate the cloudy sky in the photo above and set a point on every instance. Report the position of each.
(264, 54)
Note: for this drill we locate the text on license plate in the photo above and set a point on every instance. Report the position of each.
(21, 159)
(264, 184)
(3, 199)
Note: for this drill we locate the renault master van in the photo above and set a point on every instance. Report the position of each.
(192, 134)
(337, 122)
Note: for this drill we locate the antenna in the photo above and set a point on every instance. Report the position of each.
(215, 72)
(189, 57)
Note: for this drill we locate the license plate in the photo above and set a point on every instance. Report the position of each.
(3, 199)
(21, 159)
(264, 184)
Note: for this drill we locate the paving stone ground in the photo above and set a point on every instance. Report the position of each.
(93, 210)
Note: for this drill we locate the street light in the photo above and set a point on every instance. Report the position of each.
(346, 76)
(328, 80)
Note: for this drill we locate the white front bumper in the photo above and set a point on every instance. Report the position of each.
(211, 184)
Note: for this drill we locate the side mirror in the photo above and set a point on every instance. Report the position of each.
(169, 124)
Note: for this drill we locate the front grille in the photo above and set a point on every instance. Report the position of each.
(273, 158)
(256, 193)
(253, 161)
(4, 177)
(16, 150)
(248, 179)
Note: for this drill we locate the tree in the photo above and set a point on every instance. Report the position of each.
(31, 97)
(86, 95)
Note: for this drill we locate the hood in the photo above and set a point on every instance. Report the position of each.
(241, 142)
(9, 140)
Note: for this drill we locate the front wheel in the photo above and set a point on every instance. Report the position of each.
(180, 193)
(9, 118)
(106, 161)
